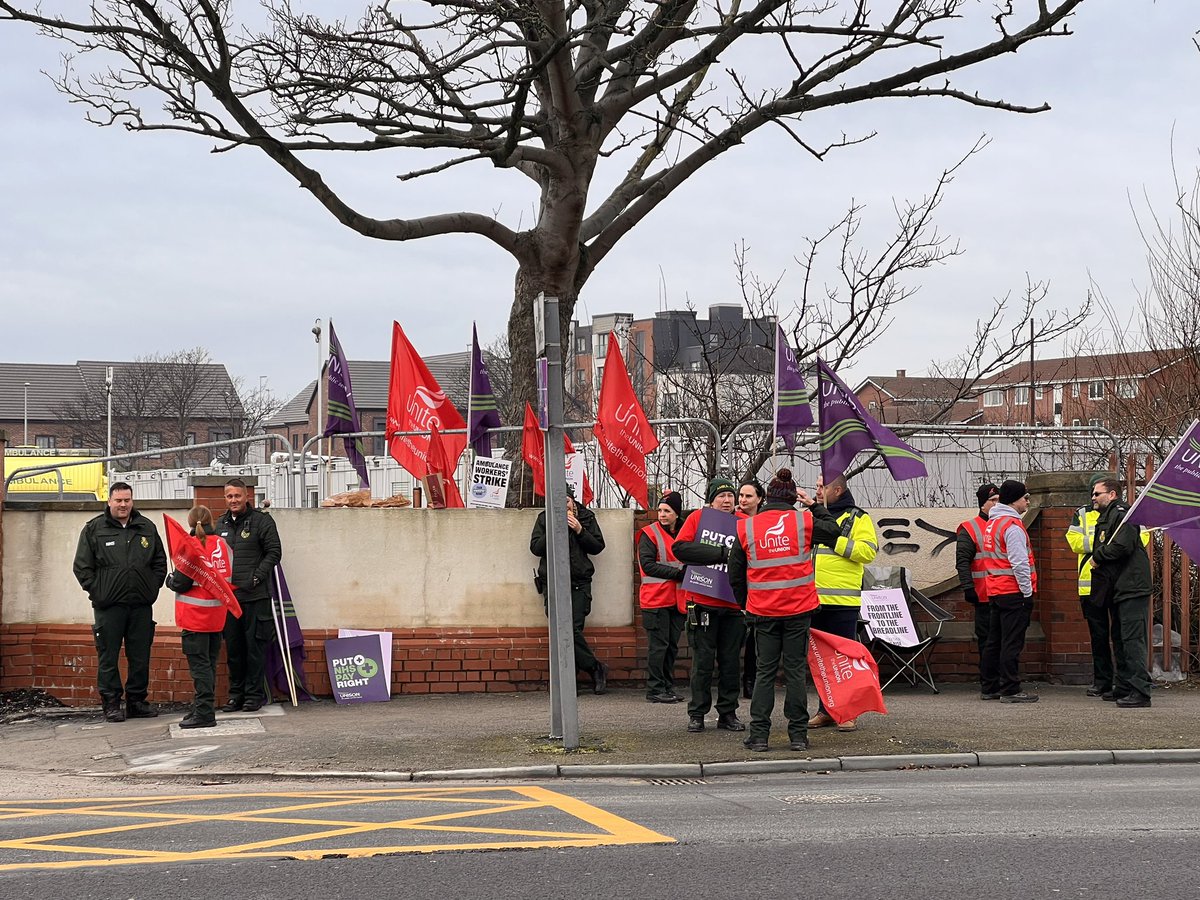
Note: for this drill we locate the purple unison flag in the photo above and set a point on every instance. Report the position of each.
(718, 529)
(847, 428)
(343, 416)
(792, 412)
(483, 412)
(1171, 499)
(273, 661)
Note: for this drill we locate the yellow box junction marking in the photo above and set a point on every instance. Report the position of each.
(324, 815)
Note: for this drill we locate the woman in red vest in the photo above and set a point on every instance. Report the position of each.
(658, 597)
(202, 617)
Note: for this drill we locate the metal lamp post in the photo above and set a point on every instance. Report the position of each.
(108, 383)
(26, 442)
(316, 330)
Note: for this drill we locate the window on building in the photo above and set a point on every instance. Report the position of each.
(1021, 396)
(77, 442)
(218, 434)
(45, 441)
(1126, 389)
(119, 442)
(993, 398)
(581, 346)
(1075, 389)
(1098, 422)
(152, 440)
(1076, 422)
(1095, 390)
(1038, 392)
(189, 439)
(379, 444)
(601, 345)
(872, 405)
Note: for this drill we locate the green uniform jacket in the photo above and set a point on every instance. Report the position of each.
(587, 543)
(254, 541)
(1121, 552)
(120, 565)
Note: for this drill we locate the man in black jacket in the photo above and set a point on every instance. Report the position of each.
(1121, 578)
(121, 563)
(584, 540)
(254, 542)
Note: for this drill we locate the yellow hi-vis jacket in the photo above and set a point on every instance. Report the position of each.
(840, 568)
(1082, 538)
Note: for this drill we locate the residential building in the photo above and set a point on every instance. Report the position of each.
(154, 405)
(902, 398)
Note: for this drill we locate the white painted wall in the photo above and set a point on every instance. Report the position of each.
(350, 568)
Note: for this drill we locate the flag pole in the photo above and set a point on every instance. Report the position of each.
(285, 651)
(775, 419)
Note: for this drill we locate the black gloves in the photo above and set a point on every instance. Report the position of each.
(971, 597)
(179, 583)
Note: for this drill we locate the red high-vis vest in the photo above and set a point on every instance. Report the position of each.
(780, 576)
(656, 593)
(974, 527)
(999, 573)
(195, 610)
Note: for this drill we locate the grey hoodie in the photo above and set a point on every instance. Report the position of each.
(1017, 547)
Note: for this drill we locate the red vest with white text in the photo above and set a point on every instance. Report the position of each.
(999, 578)
(780, 576)
(195, 610)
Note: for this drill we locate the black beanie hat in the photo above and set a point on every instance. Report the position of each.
(674, 500)
(986, 492)
(1011, 491)
(782, 488)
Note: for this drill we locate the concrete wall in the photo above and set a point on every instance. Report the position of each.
(347, 568)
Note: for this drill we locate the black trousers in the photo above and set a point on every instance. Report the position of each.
(1010, 614)
(202, 649)
(663, 627)
(718, 645)
(1103, 634)
(132, 626)
(1130, 647)
(245, 650)
(839, 620)
(782, 640)
(983, 621)
(581, 606)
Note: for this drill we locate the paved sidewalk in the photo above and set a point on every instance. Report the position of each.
(445, 735)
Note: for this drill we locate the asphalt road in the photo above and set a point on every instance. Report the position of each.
(1104, 832)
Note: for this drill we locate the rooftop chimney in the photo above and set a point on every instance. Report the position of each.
(900, 373)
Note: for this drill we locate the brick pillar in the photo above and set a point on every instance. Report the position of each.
(1055, 496)
(209, 490)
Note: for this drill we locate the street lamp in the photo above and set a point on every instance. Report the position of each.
(108, 382)
(316, 330)
(27, 414)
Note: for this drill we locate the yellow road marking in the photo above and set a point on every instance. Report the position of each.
(472, 802)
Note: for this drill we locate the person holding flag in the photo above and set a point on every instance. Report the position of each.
(1121, 587)
(839, 572)
(204, 594)
(773, 578)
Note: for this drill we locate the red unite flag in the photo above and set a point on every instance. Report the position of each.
(845, 676)
(438, 463)
(189, 558)
(533, 450)
(622, 429)
(416, 402)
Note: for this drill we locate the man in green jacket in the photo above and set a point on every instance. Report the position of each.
(254, 542)
(121, 563)
(1121, 578)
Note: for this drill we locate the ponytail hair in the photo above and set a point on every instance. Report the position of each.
(200, 520)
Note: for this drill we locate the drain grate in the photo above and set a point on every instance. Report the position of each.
(674, 782)
(832, 798)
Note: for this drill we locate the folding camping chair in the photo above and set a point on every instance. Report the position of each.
(893, 634)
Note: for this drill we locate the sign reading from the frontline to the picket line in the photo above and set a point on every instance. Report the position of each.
(357, 669)
(888, 617)
(489, 483)
(718, 529)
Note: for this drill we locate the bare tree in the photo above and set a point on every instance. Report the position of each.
(245, 410)
(636, 94)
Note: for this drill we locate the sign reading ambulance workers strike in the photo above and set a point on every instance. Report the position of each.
(489, 483)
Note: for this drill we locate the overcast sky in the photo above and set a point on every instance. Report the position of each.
(114, 245)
